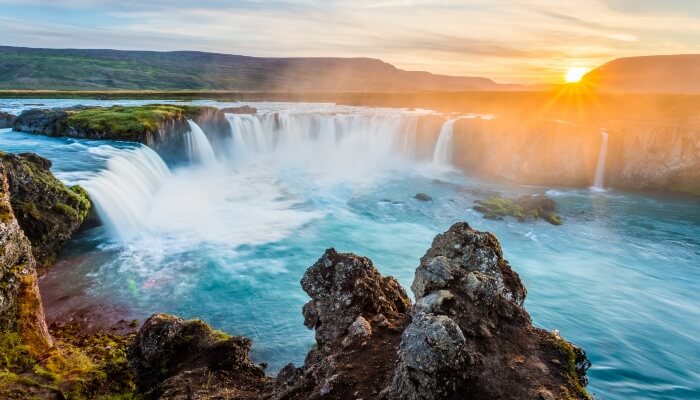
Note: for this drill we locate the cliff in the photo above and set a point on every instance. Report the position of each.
(161, 127)
(647, 156)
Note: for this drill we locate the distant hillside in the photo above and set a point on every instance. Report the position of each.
(68, 69)
(651, 74)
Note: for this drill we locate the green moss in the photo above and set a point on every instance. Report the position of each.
(14, 354)
(28, 209)
(568, 352)
(523, 208)
(129, 122)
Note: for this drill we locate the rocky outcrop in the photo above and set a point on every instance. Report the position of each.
(47, 211)
(524, 208)
(358, 316)
(470, 334)
(21, 310)
(467, 336)
(240, 110)
(6, 120)
(161, 127)
(177, 359)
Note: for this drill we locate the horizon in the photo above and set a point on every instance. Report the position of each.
(529, 44)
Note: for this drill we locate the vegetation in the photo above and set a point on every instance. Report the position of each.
(523, 208)
(78, 367)
(124, 121)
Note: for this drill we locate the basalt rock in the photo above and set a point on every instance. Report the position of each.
(21, 310)
(177, 359)
(470, 336)
(48, 212)
(6, 120)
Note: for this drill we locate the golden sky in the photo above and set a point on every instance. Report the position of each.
(510, 41)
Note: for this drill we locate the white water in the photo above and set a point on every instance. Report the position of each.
(600, 167)
(123, 193)
(198, 147)
(325, 134)
(444, 147)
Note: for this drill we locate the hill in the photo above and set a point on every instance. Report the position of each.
(650, 74)
(71, 69)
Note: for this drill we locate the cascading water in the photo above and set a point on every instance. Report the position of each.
(198, 147)
(444, 148)
(370, 137)
(600, 167)
(122, 193)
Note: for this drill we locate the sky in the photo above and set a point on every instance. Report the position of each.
(510, 41)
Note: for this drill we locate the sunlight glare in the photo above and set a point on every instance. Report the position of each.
(574, 74)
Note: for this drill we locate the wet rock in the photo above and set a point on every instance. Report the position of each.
(48, 212)
(21, 311)
(6, 120)
(422, 197)
(173, 358)
(471, 334)
(240, 110)
(524, 208)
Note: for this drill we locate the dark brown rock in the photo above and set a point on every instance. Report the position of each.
(177, 359)
(240, 110)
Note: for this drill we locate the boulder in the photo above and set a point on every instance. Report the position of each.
(6, 120)
(47, 211)
(358, 316)
(471, 335)
(177, 359)
(523, 208)
(422, 197)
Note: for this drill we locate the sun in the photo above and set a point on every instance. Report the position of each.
(574, 74)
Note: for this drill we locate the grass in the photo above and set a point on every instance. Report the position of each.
(128, 121)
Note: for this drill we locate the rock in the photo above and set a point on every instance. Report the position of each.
(177, 359)
(344, 287)
(6, 120)
(21, 310)
(48, 212)
(162, 127)
(240, 110)
(352, 355)
(524, 208)
(471, 334)
(422, 197)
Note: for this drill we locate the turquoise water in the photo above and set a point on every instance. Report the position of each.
(230, 243)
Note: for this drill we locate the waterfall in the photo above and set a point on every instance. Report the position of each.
(444, 147)
(198, 147)
(122, 193)
(600, 167)
(368, 137)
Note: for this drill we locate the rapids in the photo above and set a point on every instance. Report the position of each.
(228, 239)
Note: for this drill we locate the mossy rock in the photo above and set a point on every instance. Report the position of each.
(47, 211)
(523, 208)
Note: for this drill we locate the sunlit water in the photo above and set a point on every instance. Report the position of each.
(229, 241)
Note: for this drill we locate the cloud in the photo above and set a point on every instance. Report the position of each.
(511, 41)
